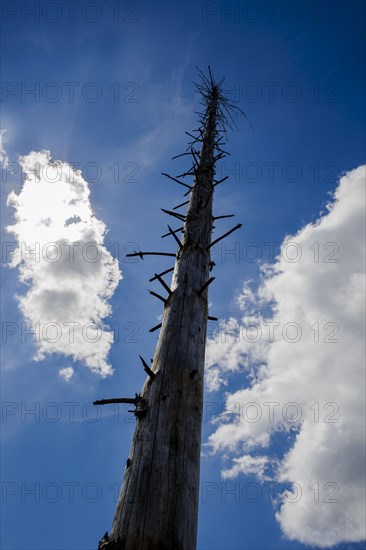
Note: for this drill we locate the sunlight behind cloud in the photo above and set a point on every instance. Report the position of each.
(60, 255)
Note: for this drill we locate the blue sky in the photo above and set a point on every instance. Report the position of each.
(298, 72)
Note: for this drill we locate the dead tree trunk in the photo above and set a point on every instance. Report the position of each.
(158, 504)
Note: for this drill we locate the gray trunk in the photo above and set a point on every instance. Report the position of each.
(158, 503)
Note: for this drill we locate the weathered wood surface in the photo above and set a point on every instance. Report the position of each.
(158, 504)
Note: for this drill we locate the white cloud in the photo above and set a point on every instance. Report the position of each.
(314, 367)
(249, 465)
(61, 257)
(3, 156)
(67, 373)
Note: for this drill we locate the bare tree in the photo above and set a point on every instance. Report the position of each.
(158, 504)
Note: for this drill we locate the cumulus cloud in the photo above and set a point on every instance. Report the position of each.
(301, 341)
(3, 156)
(61, 257)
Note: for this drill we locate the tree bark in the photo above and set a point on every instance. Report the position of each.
(158, 504)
